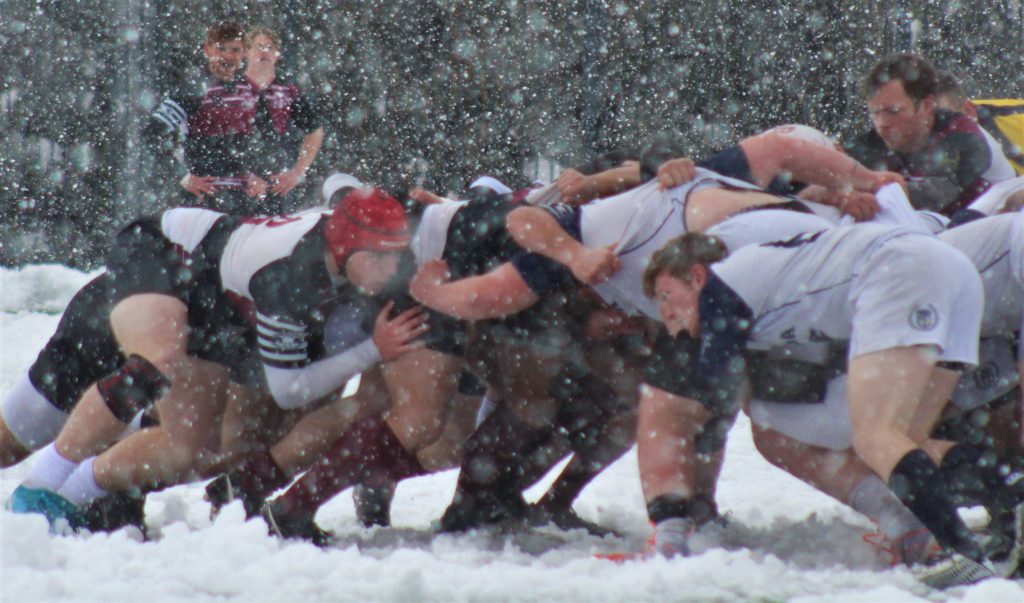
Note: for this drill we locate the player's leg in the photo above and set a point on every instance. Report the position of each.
(599, 416)
(498, 453)
(149, 318)
(680, 457)
(421, 386)
(975, 472)
(373, 495)
(81, 351)
(839, 473)
(188, 433)
(265, 469)
(28, 421)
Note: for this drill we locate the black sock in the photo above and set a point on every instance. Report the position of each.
(920, 486)
(701, 508)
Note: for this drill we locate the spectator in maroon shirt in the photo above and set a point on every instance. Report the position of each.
(281, 115)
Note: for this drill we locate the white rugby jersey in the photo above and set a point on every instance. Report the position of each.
(188, 226)
(994, 199)
(642, 220)
(258, 242)
(799, 289)
(428, 242)
(996, 247)
(1000, 168)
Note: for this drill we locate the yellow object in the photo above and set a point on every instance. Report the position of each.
(1004, 119)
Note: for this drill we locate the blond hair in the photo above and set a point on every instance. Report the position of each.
(256, 32)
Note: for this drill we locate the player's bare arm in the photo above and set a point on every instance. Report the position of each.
(771, 154)
(496, 294)
(577, 188)
(538, 231)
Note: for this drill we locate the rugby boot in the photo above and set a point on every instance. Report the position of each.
(294, 526)
(479, 508)
(256, 478)
(116, 511)
(1005, 545)
(917, 547)
(956, 571)
(59, 511)
(566, 519)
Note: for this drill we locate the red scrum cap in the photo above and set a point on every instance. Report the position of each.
(366, 219)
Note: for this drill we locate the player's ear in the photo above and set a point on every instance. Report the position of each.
(928, 103)
(699, 275)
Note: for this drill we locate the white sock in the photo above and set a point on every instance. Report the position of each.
(671, 536)
(81, 488)
(874, 499)
(50, 470)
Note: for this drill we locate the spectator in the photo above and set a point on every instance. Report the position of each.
(282, 114)
(950, 95)
(941, 154)
(210, 119)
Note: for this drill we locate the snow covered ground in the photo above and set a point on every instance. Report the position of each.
(786, 542)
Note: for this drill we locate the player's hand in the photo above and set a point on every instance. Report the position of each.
(858, 205)
(885, 178)
(427, 279)
(396, 336)
(674, 172)
(283, 183)
(870, 181)
(1013, 203)
(199, 185)
(594, 266)
(255, 186)
(576, 188)
(424, 197)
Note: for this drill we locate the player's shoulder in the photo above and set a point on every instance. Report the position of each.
(948, 122)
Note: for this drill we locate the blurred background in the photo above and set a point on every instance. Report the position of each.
(434, 93)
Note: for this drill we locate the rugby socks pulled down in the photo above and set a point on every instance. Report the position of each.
(50, 470)
(918, 482)
(874, 499)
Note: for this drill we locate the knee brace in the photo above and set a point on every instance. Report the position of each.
(132, 388)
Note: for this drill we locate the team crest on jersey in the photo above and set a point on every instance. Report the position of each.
(924, 317)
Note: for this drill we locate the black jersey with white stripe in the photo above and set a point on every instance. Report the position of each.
(275, 270)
